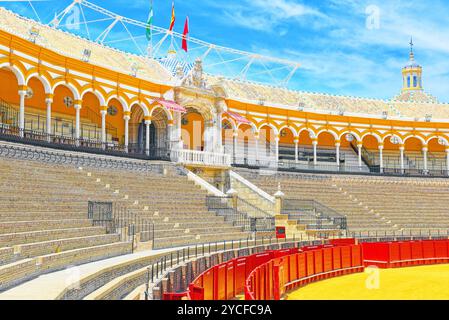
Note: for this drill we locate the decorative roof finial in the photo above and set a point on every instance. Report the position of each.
(412, 55)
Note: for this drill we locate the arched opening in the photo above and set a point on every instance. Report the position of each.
(35, 107)
(9, 98)
(114, 119)
(63, 111)
(437, 154)
(267, 145)
(413, 154)
(137, 129)
(286, 145)
(245, 149)
(91, 117)
(159, 139)
(391, 153)
(192, 130)
(305, 150)
(371, 145)
(326, 148)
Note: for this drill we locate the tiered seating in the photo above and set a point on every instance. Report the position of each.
(370, 203)
(323, 190)
(43, 214)
(43, 221)
(174, 204)
(407, 203)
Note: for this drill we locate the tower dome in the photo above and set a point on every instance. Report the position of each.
(412, 73)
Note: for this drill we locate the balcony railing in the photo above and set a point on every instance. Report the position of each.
(193, 157)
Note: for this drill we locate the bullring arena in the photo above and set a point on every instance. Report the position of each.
(130, 177)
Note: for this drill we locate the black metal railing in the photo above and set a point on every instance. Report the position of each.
(117, 218)
(313, 214)
(241, 213)
(41, 139)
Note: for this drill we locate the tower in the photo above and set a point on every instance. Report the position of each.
(412, 73)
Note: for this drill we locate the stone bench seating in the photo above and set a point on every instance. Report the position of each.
(6, 255)
(12, 239)
(22, 226)
(22, 270)
(54, 246)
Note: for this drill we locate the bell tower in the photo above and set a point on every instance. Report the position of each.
(412, 73)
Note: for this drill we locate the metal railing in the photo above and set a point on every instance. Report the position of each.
(38, 138)
(241, 213)
(116, 218)
(313, 214)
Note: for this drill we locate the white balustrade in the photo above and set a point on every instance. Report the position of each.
(201, 158)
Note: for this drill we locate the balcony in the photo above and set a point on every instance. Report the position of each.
(200, 158)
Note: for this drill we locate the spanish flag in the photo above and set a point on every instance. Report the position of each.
(173, 17)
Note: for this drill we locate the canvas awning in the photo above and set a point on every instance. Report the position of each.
(171, 105)
(238, 118)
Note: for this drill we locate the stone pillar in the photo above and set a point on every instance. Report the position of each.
(276, 148)
(78, 106)
(381, 158)
(22, 95)
(147, 135)
(218, 133)
(127, 117)
(48, 102)
(279, 196)
(401, 150)
(103, 112)
(315, 144)
(256, 140)
(359, 149)
(296, 149)
(235, 136)
(425, 151)
(337, 150)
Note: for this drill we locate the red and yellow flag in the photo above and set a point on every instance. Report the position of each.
(185, 35)
(173, 17)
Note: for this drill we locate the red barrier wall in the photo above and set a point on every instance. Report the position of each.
(302, 268)
(268, 275)
(403, 254)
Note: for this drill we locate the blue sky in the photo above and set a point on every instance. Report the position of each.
(345, 47)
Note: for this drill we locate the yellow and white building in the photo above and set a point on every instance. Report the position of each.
(114, 100)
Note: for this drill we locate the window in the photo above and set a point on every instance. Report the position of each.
(408, 81)
(415, 81)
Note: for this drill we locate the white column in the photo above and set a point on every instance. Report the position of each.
(315, 159)
(235, 136)
(147, 137)
(103, 127)
(126, 118)
(296, 149)
(401, 150)
(425, 151)
(77, 122)
(276, 148)
(219, 133)
(381, 158)
(337, 150)
(359, 148)
(48, 102)
(256, 140)
(22, 94)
